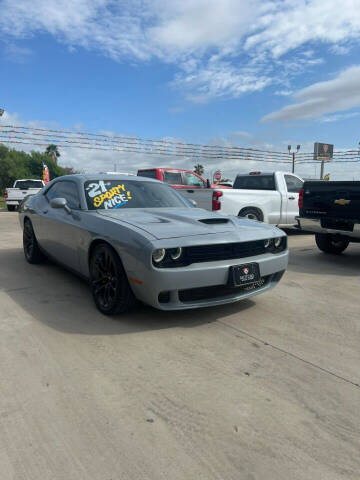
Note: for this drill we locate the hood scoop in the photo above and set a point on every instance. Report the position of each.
(214, 221)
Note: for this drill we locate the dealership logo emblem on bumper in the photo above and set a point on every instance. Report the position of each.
(342, 201)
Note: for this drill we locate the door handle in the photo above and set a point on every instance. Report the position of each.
(190, 191)
(291, 198)
(45, 211)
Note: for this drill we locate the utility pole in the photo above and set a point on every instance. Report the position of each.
(322, 168)
(293, 156)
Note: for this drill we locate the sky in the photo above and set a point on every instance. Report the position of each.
(254, 73)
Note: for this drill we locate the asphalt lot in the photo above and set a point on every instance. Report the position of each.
(265, 389)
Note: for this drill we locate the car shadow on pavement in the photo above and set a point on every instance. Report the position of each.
(55, 297)
(314, 262)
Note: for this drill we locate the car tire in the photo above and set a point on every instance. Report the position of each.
(11, 208)
(331, 243)
(251, 213)
(109, 284)
(32, 251)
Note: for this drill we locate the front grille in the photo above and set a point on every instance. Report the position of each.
(225, 251)
(216, 291)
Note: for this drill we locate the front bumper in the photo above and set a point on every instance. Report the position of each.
(314, 225)
(174, 281)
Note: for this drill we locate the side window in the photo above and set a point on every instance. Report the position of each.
(52, 192)
(148, 174)
(67, 190)
(293, 184)
(193, 180)
(173, 178)
(255, 182)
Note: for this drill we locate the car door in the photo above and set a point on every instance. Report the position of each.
(195, 189)
(293, 185)
(60, 231)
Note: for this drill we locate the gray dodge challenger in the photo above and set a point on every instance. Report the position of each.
(137, 238)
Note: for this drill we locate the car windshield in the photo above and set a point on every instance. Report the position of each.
(25, 184)
(118, 193)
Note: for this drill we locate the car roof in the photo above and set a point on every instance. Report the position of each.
(84, 177)
(254, 174)
(166, 168)
(28, 179)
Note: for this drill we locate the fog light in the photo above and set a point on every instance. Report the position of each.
(164, 297)
(159, 255)
(176, 253)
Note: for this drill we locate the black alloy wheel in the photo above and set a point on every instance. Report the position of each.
(109, 284)
(32, 251)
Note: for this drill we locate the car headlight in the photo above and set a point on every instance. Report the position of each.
(277, 242)
(158, 255)
(275, 245)
(168, 257)
(176, 253)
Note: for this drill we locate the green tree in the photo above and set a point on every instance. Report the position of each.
(15, 164)
(199, 169)
(52, 151)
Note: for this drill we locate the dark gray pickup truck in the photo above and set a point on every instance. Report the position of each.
(332, 211)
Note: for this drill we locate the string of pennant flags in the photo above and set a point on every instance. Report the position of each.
(41, 137)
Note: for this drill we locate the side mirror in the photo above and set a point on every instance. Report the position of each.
(193, 202)
(208, 184)
(60, 203)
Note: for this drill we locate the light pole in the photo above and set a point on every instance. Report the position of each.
(293, 156)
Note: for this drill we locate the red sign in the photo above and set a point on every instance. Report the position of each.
(217, 176)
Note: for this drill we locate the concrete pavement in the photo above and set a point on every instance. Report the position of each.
(265, 389)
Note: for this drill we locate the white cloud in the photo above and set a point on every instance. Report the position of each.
(336, 118)
(220, 79)
(340, 49)
(16, 53)
(220, 48)
(241, 134)
(294, 23)
(283, 93)
(336, 95)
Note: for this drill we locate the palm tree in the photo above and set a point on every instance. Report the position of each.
(199, 169)
(52, 151)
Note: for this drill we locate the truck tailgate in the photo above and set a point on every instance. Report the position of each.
(331, 200)
(202, 196)
(19, 194)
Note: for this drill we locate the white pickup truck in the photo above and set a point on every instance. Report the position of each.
(21, 188)
(267, 197)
